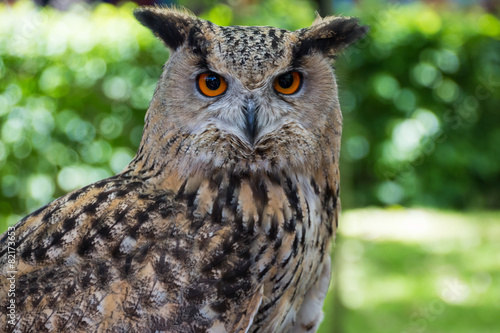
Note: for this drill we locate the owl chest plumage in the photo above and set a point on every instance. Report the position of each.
(275, 226)
(255, 238)
(189, 259)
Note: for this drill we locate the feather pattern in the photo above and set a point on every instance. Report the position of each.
(205, 230)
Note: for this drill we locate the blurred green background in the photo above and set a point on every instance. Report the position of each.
(421, 144)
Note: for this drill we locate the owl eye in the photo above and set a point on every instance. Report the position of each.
(211, 84)
(288, 83)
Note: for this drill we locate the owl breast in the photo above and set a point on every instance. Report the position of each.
(258, 236)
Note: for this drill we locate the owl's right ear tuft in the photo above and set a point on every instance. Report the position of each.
(172, 26)
(330, 35)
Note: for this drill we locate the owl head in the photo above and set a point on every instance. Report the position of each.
(250, 98)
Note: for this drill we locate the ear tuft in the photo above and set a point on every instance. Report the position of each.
(172, 26)
(330, 35)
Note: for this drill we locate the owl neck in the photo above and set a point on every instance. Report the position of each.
(168, 155)
(182, 156)
(257, 199)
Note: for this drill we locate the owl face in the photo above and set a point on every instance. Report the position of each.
(247, 84)
(250, 89)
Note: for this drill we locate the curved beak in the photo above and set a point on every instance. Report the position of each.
(250, 110)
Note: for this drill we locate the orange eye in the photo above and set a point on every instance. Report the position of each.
(211, 84)
(288, 83)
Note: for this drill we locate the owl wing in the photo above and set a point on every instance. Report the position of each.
(245, 320)
(117, 256)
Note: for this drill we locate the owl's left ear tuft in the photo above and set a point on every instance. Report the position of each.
(171, 25)
(329, 35)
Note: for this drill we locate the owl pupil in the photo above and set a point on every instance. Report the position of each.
(213, 82)
(286, 80)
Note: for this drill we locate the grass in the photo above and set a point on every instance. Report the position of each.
(415, 271)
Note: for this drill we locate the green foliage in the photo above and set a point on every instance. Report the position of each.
(420, 115)
(74, 90)
(420, 100)
(415, 271)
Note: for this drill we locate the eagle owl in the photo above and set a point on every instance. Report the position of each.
(223, 220)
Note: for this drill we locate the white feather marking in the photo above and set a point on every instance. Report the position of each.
(311, 312)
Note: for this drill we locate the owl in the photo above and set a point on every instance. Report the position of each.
(223, 220)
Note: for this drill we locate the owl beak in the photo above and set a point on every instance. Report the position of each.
(250, 111)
